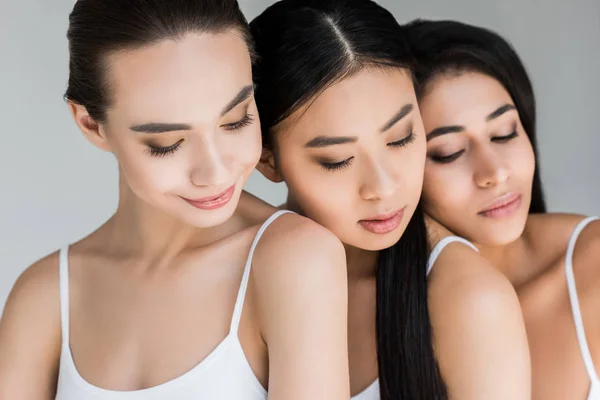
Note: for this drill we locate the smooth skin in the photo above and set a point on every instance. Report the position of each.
(471, 168)
(370, 160)
(152, 290)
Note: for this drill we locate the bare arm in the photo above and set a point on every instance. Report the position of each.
(30, 337)
(302, 296)
(479, 332)
(586, 268)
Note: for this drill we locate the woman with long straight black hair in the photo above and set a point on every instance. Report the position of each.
(341, 126)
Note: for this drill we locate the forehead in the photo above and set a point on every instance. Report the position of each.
(359, 104)
(454, 99)
(195, 75)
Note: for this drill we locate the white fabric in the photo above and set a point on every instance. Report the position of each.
(594, 392)
(223, 374)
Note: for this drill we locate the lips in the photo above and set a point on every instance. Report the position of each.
(503, 206)
(383, 223)
(213, 202)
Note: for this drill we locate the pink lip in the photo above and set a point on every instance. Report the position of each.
(503, 207)
(384, 223)
(213, 202)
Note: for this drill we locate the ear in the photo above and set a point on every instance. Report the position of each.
(90, 128)
(268, 167)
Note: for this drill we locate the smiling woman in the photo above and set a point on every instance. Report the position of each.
(482, 182)
(182, 293)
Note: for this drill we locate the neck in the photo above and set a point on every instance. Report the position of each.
(512, 260)
(145, 232)
(361, 264)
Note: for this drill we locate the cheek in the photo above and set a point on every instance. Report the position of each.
(323, 196)
(149, 176)
(242, 149)
(523, 162)
(446, 189)
(411, 169)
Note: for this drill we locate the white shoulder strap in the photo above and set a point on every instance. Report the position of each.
(64, 293)
(239, 303)
(441, 245)
(575, 308)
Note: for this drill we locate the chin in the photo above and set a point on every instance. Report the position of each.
(503, 235)
(373, 242)
(206, 219)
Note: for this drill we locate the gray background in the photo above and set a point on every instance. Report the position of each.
(56, 188)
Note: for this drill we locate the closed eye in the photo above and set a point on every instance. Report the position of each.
(157, 151)
(504, 139)
(235, 126)
(447, 159)
(404, 141)
(337, 165)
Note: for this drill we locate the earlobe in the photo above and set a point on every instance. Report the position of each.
(90, 128)
(267, 166)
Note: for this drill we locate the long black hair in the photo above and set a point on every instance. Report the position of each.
(451, 46)
(304, 47)
(99, 27)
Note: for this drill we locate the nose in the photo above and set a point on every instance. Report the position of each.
(491, 170)
(378, 182)
(209, 165)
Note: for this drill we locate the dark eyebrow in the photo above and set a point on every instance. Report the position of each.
(444, 130)
(157, 127)
(160, 127)
(404, 111)
(240, 97)
(501, 110)
(324, 141)
(457, 128)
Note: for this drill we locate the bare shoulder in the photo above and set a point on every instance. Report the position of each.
(478, 328)
(36, 291)
(298, 265)
(586, 257)
(294, 242)
(253, 211)
(551, 230)
(30, 336)
(461, 275)
(299, 281)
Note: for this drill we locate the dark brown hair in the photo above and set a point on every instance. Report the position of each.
(98, 27)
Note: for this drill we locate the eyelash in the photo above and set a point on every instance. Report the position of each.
(404, 141)
(497, 139)
(346, 163)
(247, 120)
(336, 166)
(156, 151)
(163, 151)
(504, 139)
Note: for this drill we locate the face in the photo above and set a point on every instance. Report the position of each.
(480, 162)
(353, 158)
(183, 124)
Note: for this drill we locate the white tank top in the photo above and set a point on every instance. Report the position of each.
(594, 393)
(372, 392)
(223, 374)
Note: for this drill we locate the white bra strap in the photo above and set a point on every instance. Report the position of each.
(239, 303)
(64, 293)
(575, 308)
(437, 250)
